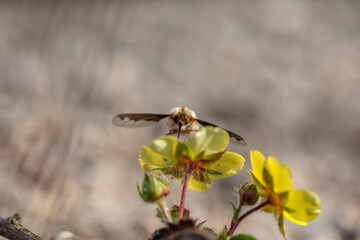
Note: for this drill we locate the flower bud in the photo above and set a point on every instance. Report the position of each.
(248, 194)
(154, 189)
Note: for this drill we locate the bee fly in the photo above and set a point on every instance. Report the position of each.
(180, 120)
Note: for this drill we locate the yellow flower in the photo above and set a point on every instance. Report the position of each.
(273, 181)
(202, 156)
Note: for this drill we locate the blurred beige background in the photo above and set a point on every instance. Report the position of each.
(285, 75)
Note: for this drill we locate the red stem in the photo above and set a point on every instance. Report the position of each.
(182, 201)
(235, 223)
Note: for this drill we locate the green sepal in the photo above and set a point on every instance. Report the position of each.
(236, 211)
(242, 237)
(181, 150)
(213, 172)
(244, 185)
(159, 215)
(286, 209)
(164, 170)
(268, 178)
(206, 178)
(257, 183)
(138, 189)
(281, 224)
(203, 177)
(268, 208)
(178, 173)
(199, 156)
(214, 157)
(167, 161)
(202, 223)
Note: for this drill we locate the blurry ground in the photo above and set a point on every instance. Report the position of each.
(283, 74)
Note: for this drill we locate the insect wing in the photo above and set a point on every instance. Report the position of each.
(134, 120)
(233, 136)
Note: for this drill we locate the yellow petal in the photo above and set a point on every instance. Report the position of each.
(228, 165)
(293, 220)
(260, 187)
(257, 163)
(304, 207)
(208, 139)
(150, 160)
(198, 186)
(165, 146)
(281, 175)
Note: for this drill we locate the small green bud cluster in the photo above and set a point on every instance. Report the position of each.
(154, 189)
(248, 194)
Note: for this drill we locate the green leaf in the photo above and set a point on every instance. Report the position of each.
(174, 213)
(223, 233)
(242, 237)
(222, 237)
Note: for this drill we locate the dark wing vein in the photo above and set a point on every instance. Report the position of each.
(233, 136)
(133, 120)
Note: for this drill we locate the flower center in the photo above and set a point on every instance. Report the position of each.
(187, 166)
(274, 198)
(191, 166)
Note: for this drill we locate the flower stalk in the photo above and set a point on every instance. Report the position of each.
(236, 222)
(183, 195)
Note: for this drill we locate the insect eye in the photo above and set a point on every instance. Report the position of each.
(176, 119)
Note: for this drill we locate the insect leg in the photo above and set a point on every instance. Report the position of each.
(171, 132)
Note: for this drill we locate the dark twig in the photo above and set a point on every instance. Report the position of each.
(11, 228)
